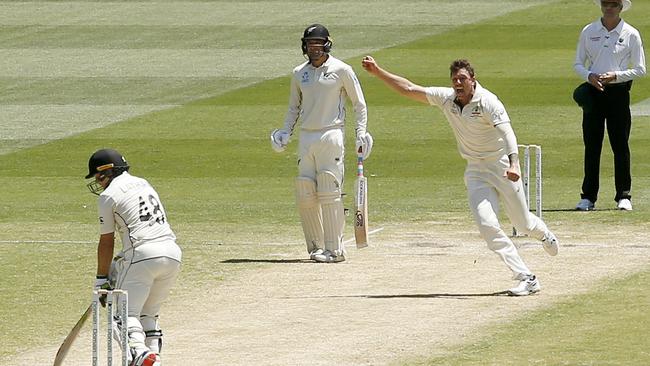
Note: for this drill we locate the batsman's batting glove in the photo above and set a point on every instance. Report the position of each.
(280, 140)
(101, 283)
(365, 141)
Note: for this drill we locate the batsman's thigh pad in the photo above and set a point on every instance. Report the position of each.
(329, 195)
(310, 213)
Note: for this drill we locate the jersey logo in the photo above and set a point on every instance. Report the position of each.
(594, 39)
(305, 77)
(476, 112)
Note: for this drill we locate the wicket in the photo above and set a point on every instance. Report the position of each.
(119, 297)
(526, 178)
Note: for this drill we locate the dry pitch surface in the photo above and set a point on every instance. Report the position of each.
(418, 290)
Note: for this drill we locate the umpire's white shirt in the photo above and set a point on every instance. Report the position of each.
(130, 206)
(318, 95)
(476, 137)
(600, 51)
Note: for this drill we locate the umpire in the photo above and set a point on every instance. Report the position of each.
(609, 56)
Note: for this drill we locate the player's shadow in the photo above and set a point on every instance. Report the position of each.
(457, 296)
(574, 210)
(435, 296)
(278, 261)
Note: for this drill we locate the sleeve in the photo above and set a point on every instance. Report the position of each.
(437, 95)
(637, 61)
(105, 212)
(354, 92)
(496, 111)
(506, 132)
(295, 101)
(581, 57)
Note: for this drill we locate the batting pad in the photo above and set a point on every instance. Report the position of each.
(310, 213)
(329, 195)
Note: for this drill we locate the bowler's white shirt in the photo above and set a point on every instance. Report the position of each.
(130, 206)
(474, 126)
(318, 96)
(619, 50)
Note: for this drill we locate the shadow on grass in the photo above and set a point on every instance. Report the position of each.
(574, 210)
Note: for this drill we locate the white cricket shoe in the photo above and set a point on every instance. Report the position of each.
(550, 243)
(528, 284)
(314, 253)
(329, 257)
(585, 205)
(624, 204)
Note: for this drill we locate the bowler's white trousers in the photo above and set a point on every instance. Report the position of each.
(486, 183)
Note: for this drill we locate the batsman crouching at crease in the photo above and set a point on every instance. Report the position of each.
(486, 140)
(318, 92)
(150, 259)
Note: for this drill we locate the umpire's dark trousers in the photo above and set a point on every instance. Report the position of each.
(611, 109)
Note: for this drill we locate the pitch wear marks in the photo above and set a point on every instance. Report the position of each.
(600, 51)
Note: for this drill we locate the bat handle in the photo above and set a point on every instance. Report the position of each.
(360, 162)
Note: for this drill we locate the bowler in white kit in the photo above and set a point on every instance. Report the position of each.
(318, 93)
(486, 140)
(150, 259)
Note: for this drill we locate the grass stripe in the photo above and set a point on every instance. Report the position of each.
(253, 13)
(601, 327)
(106, 91)
(274, 36)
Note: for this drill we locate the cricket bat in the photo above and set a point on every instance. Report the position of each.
(361, 205)
(67, 342)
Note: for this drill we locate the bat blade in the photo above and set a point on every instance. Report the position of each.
(361, 214)
(67, 342)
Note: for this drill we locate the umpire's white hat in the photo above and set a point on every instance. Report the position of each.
(626, 4)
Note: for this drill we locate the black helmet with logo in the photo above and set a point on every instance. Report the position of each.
(316, 31)
(108, 162)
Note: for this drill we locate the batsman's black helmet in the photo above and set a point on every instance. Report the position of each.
(106, 161)
(316, 31)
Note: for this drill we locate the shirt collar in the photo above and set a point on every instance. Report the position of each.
(478, 90)
(618, 29)
(325, 64)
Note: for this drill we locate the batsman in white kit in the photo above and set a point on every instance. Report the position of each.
(486, 140)
(319, 89)
(150, 259)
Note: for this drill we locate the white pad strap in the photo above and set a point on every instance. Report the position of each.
(329, 195)
(310, 213)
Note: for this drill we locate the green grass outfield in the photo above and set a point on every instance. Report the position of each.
(209, 156)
